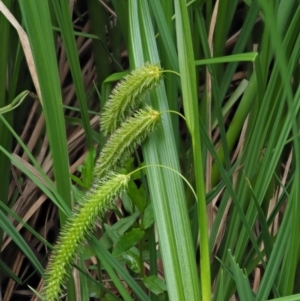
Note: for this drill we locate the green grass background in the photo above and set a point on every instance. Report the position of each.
(238, 146)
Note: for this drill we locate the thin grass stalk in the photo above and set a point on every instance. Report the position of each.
(5, 135)
(190, 102)
(163, 13)
(215, 91)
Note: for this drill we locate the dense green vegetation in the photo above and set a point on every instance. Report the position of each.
(200, 206)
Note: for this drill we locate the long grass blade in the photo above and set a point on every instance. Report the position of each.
(166, 189)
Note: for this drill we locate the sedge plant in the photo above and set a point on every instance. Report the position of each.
(251, 181)
(107, 184)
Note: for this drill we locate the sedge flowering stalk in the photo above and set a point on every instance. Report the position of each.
(125, 140)
(127, 96)
(77, 229)
(108, 185)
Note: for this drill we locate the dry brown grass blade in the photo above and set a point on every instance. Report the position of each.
(18, 261)
(25, 44)
(32, 210)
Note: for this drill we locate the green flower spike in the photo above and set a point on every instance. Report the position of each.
(125, 140)
(127, 95)
(78, 227)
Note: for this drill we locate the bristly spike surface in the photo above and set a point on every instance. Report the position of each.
(125, 140)
(127, 96)
(79, 227)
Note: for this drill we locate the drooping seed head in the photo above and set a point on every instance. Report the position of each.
(127, 96)
(125, 140)
(77, 229)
